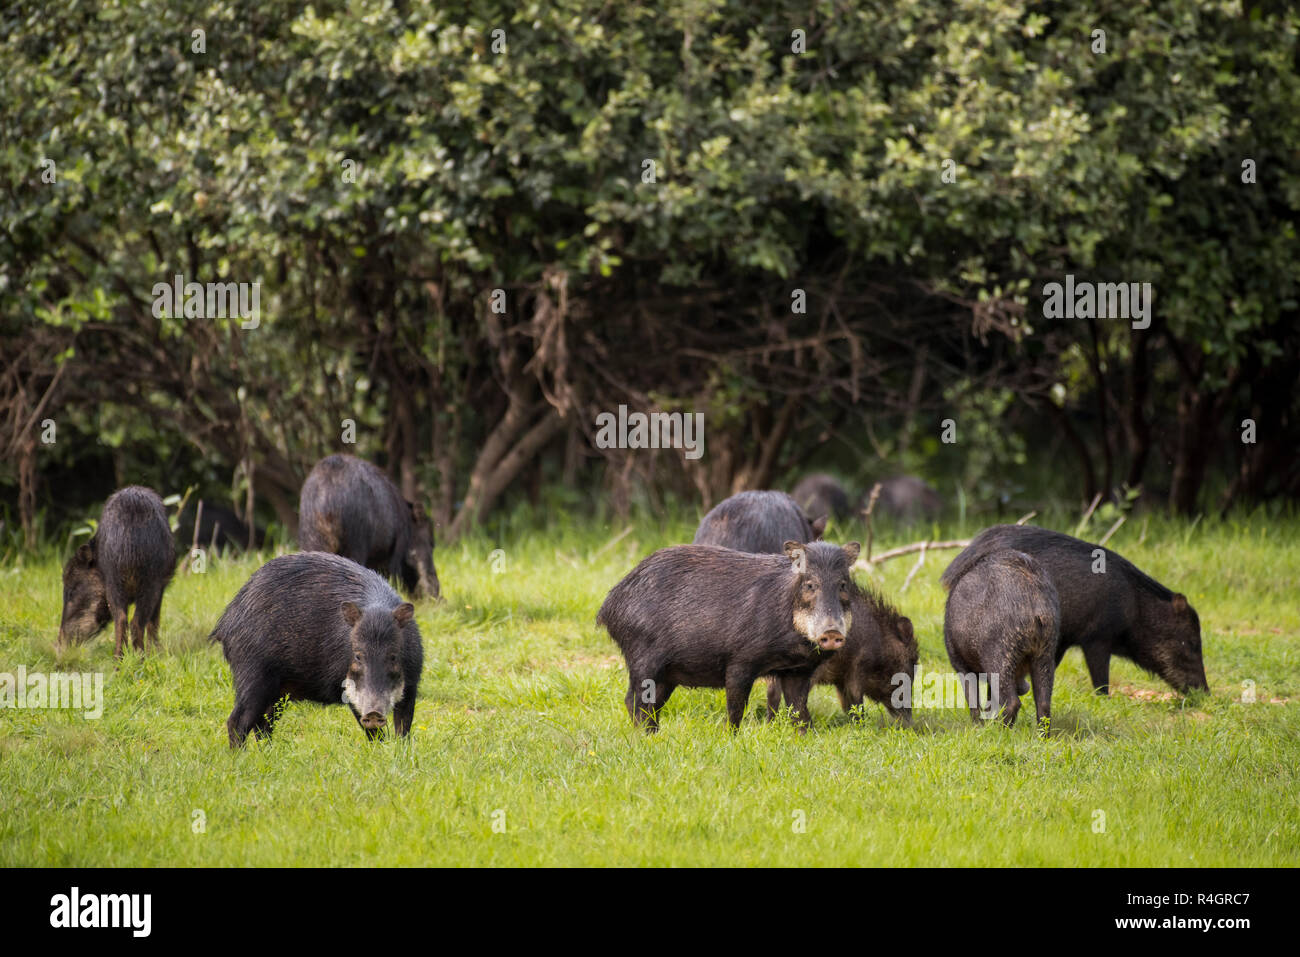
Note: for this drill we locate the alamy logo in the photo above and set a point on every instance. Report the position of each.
(209, 300)
(75, 909)
(1101, 300)
(76, 691)
(653, 430)
(944, 689)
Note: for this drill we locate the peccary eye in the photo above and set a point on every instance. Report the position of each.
(357, 657)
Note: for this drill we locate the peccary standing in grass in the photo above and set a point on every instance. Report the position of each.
(758, 522)
(350, 508)
(879, 647)
(130, 559)
(700, 616)
(316, 627)
(820, 495)
(1002, 621)
(905, 499)
(1108, 606)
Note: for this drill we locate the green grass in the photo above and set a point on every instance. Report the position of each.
(521, 711)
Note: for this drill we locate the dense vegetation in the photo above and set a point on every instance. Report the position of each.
(381, 168)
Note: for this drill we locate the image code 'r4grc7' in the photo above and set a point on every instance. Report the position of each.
(700, 616)
(317, 627)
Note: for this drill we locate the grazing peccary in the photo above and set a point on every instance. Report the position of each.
(878, 648)
(130, 559)
(906, 499)
(1002, 621)
(758, 522)
(219, 528)
(317, 627)
(1108, 606)
(350, 508)
(700, 616)
(819, 494)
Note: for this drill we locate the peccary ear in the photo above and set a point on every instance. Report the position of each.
(351, 613)
(851, 550)
(818, 527)
(797, 555)
(905, 629)
(86, 553)
(1180, 603)
(403, 613)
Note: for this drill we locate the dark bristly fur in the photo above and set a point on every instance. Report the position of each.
(819, 495)
(287, 633)
(1002, 618)
(1123, 611)
(879, 647)
(758, 522)
(700, 616)
(130, 560)
(351, 508)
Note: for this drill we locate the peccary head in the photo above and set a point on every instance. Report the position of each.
(376, 679)
(85, 600)
(1168, 642)
(418, 573)
(823, 591)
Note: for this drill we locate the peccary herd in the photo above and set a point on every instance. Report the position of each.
(757, 595)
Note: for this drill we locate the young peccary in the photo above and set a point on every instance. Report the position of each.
(317, 627)
(350, 508)
(879, 647)
(758, 522)
(130, 559)
(1108, 605)
(700, 616)
(1002, 621)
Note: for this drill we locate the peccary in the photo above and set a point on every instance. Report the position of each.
(700, 616)
(758, 522)
(350, 508)
(130, 559)
(1108, 606)
(820, 495)
(879, 647)
(316, 627)
(1002, 622)
(906, 499)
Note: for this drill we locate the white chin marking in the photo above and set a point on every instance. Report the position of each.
(384, 703)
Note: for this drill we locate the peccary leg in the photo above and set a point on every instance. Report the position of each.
(1044, 673)
(119, 630)
(645, 697)
(1097, 656)
(774, 692)
(1009, 703)
(148, 609)
(253, 711)
(796, 695)
(738, 685)
(970, 683)
(404, 712)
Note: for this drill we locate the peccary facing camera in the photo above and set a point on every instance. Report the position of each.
(758, 522)
(130, 559)
(879, 646)
(699, 616)
(317, 627)
(1119, 610)
(350, 508)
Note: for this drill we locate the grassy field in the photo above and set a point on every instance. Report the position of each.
(523, 754)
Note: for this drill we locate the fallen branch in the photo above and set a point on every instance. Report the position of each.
(1113, 529)
(611, 543)
(866, 514)
(866, 565)
(1083, 522)
(915, 568)
(1026, 518)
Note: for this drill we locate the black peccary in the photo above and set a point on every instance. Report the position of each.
(820, 494)
(1002, 620)
(905, 499)
(316, 627)
(130, 559)
(219, 528)
(758, 522)
(351, 508)
(879, 646)
(1120, 611)
(700, 616)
